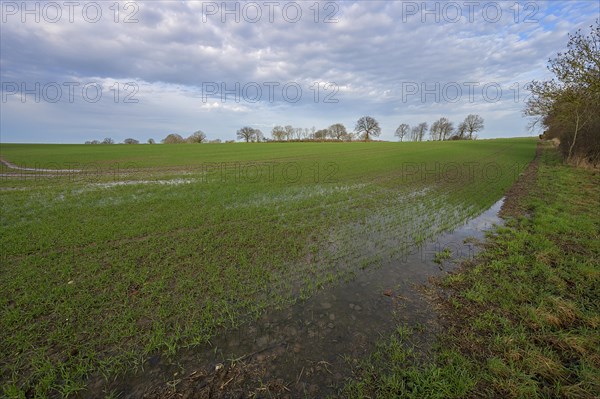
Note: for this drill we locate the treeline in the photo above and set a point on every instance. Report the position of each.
(197, 137)
(366, 129)
(336, 131)
(568, 106)
(108, 140)
(173, 138)
(442, 129)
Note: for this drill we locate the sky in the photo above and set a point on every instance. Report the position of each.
(77, 71)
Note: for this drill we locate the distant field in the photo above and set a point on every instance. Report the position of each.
(155, 247)
(146, 156)
(159, 155)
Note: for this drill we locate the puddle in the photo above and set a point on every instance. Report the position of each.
(305, 350)
(295, 194)
(172, 182)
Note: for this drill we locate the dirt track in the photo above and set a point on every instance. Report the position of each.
(15, 167)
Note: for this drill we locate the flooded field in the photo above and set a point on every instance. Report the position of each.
(309, 348)
(211, 280)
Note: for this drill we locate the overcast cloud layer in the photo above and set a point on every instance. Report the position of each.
(160, 65)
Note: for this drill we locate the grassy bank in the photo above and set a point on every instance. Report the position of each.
(523, 319)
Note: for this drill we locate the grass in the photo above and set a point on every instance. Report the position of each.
(443, 255)
(101, 270)
(523, 320)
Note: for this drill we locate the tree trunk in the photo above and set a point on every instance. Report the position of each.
(574, 136)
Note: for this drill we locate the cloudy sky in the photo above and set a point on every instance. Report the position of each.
(144, 69)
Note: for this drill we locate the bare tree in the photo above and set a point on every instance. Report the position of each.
(108, 140)
(441, 129)
(414, 133)
(289, 132)
(402, 131)
(461, 131)
(435, 131)
(337, 131)
(447, 128)
(473, 124)
(246, 133)
(349, 136)
(197, 137)
(130, 141)
(418, 132)
(321, 134)
(173, 138)
(151, 141)
(367, 126)
(278, 133)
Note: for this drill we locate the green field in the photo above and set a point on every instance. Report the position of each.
(156, 247)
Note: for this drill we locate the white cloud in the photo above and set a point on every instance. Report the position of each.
(372, 50)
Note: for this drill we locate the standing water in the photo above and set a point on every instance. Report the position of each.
(304, 350)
